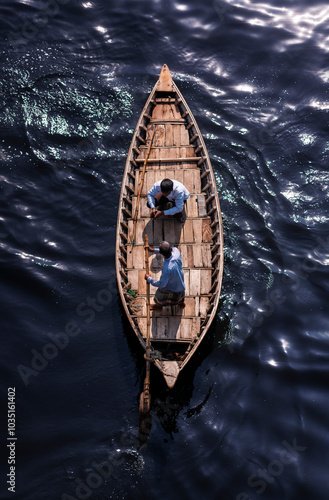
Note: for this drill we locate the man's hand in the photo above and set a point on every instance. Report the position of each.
(153, 212)
(150, 249)
(158, 213)
(146, 276)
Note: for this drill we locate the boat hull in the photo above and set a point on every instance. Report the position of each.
(168, 143)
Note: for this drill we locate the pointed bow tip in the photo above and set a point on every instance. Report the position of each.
(165, 80)
(165, 68)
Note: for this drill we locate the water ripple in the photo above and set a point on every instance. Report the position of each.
(256, 79)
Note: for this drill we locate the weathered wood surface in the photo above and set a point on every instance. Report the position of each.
(193, 239)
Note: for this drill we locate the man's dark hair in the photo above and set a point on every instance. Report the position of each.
(165, 249)
(166, 185)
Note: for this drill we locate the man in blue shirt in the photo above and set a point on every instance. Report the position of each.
(171, 287)
(165, 191)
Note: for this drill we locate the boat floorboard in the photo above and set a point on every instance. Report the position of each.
(171, 155)
(194, 241)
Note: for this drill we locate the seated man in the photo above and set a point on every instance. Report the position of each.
(171, 287)
(166, 191)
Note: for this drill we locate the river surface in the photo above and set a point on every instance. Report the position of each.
(248, 418)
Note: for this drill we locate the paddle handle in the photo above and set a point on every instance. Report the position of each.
(141, 184)
(145, 399)
(147, 268)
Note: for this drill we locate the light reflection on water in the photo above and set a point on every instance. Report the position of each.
(254, 77)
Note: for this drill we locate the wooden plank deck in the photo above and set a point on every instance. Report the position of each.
(171, 142)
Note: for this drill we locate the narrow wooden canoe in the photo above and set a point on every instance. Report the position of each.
(177, 152)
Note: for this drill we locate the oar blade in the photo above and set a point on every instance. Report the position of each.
(145, 402)
(144, 429)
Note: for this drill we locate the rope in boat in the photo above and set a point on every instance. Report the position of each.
(153, 356)
(131, 298)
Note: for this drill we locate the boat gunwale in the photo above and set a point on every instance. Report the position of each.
(120, 216)
(221, 236)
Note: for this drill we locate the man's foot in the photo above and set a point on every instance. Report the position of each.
(155, 307)
(181, 217)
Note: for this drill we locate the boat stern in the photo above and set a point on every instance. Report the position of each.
(170, 370)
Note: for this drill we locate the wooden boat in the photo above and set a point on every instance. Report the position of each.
(177, 151)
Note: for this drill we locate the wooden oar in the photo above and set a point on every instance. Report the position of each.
(141, 187)
(145, 398)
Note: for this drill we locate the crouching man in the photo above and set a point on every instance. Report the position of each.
(164, 192)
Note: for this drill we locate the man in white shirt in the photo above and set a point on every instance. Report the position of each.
(165, 191)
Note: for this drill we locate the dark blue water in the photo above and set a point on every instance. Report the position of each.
(248, 418)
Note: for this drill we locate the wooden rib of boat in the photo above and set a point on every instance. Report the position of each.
(177, 152)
